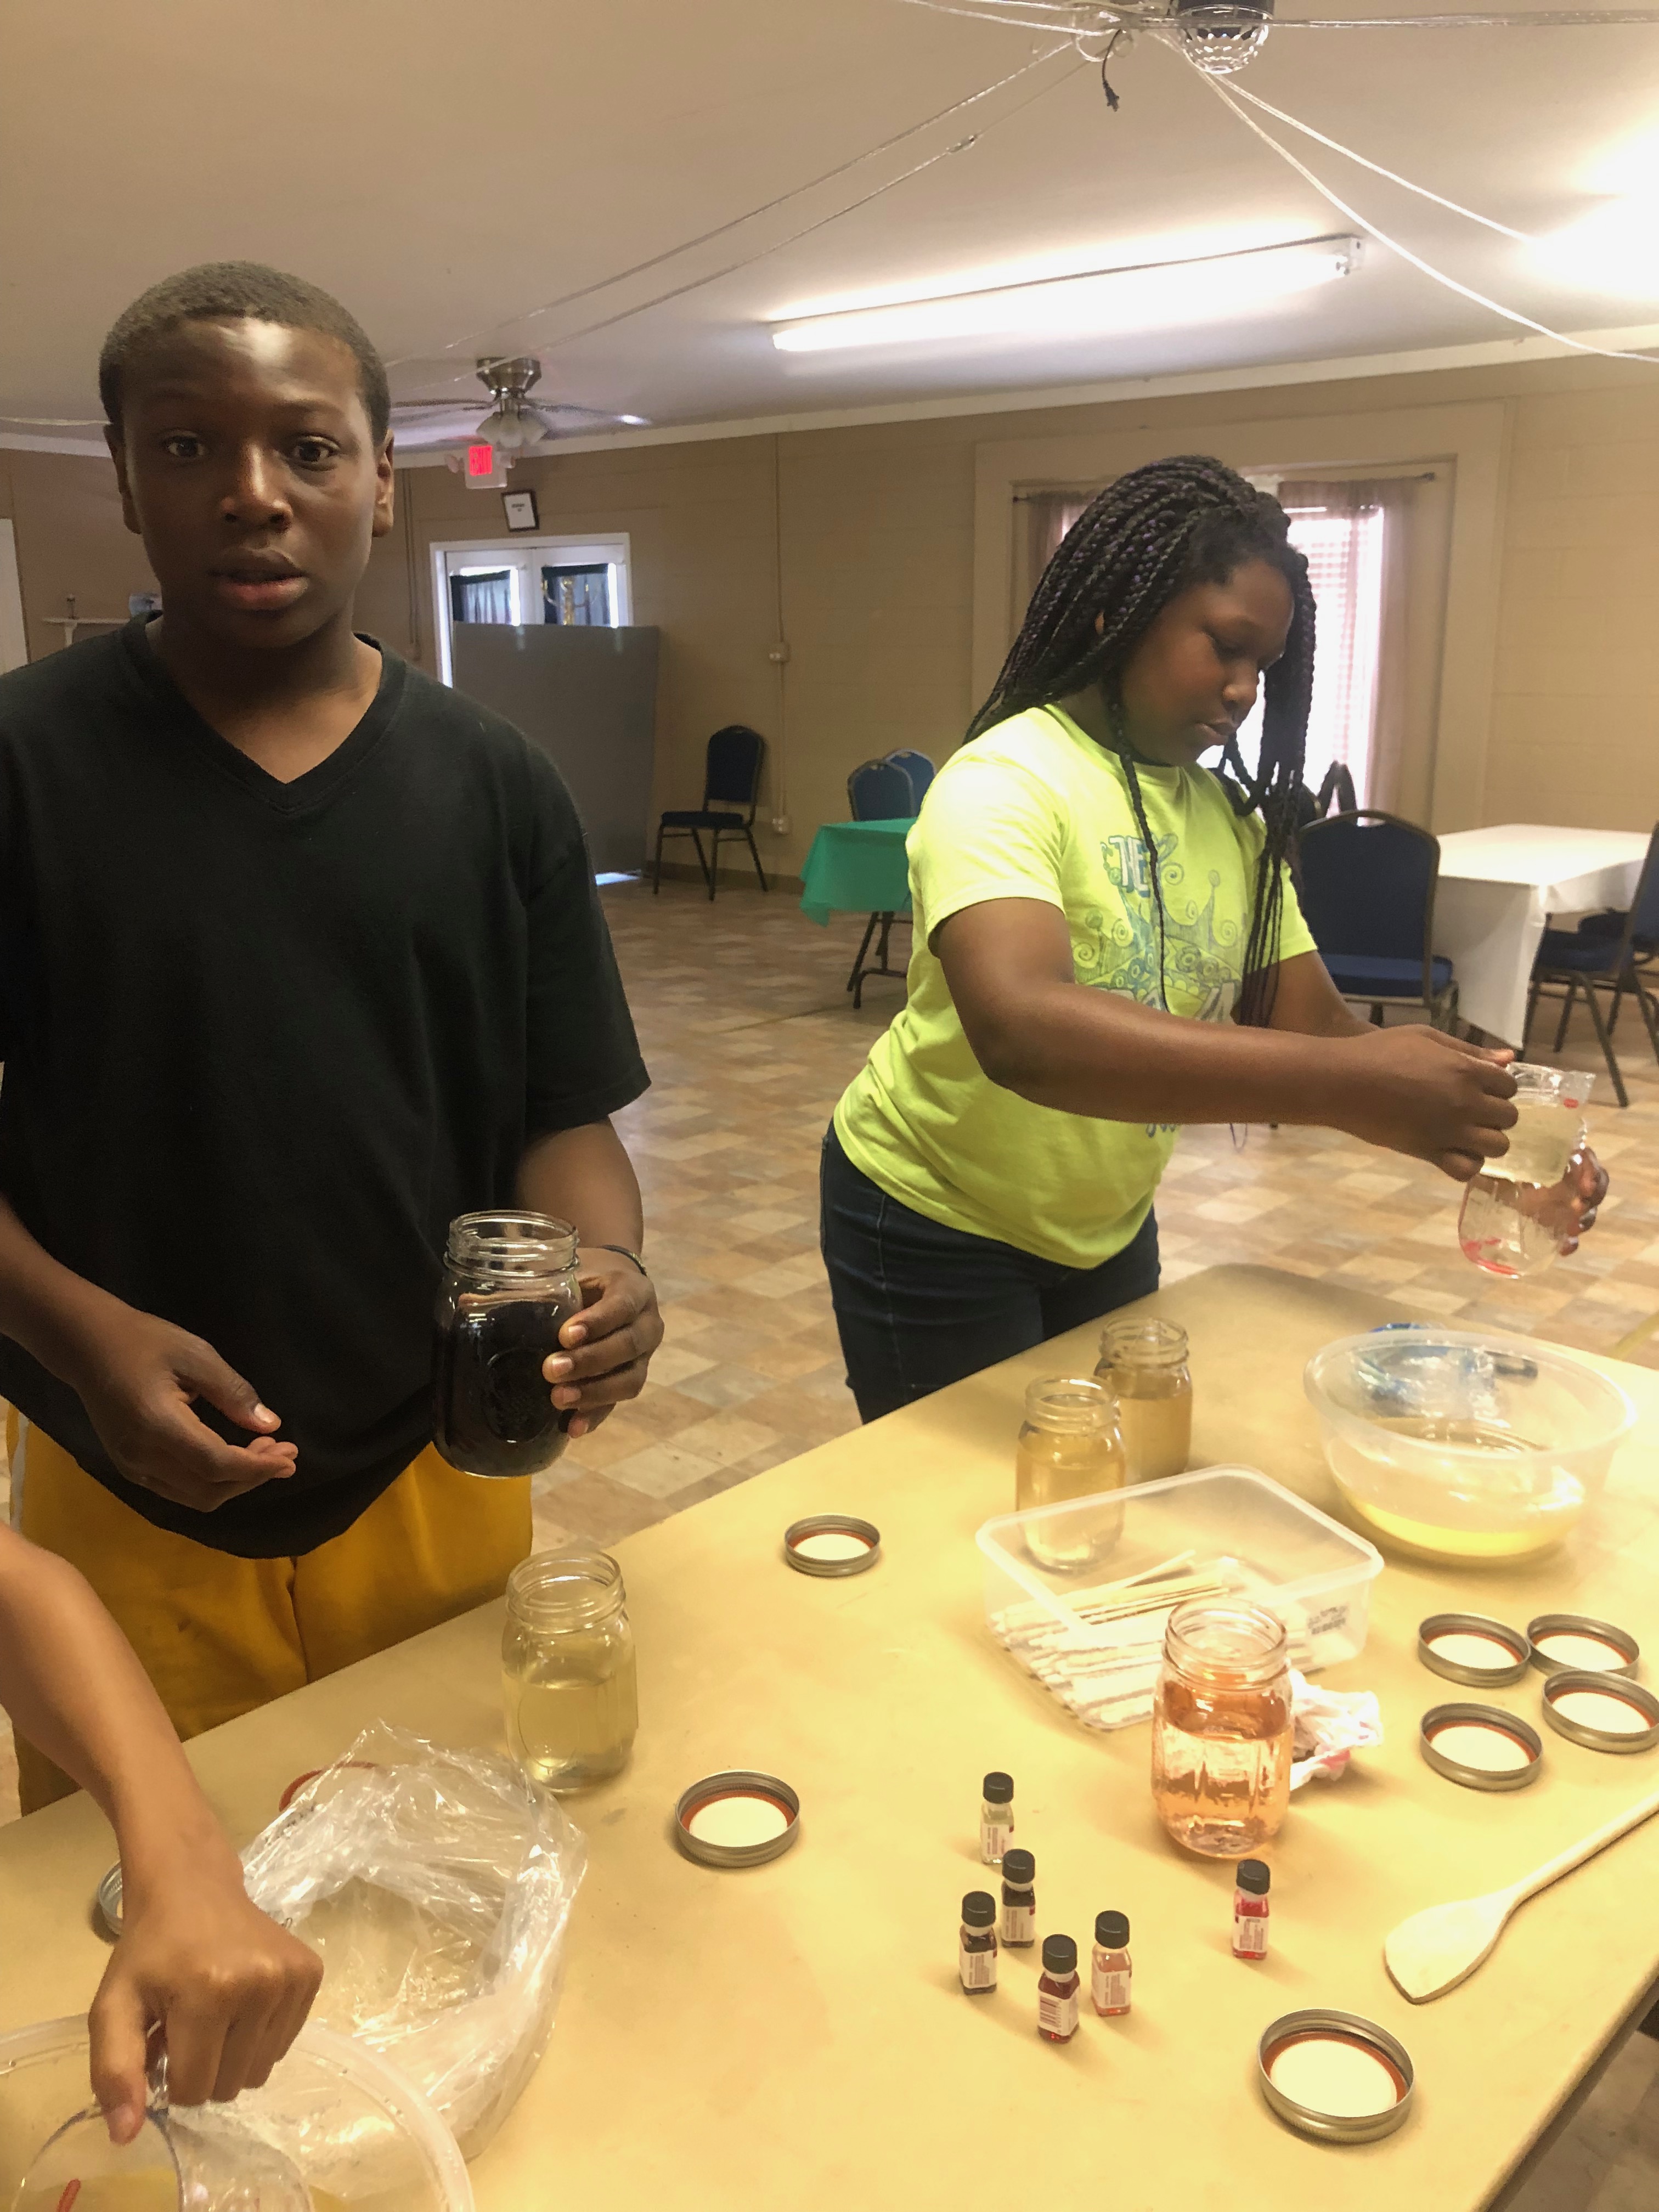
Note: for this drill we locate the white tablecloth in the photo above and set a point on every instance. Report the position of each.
(1498, 887)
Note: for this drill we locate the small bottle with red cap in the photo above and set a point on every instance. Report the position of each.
(1252, 1882)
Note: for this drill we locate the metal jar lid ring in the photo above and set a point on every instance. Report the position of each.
(1622, 1650)
(832, 1545)
(1452, 1644)
(109, 1902)
(1379, 2074)
(1457, 1760)
(739, 1818)
(1602, 1711)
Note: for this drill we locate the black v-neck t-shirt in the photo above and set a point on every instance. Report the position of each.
(263, 1040)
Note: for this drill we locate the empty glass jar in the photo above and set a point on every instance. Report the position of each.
(1143, 1362)
(568, 1679)
(1516, 1212)
(1069, 1447)
(1222, 1728)
(509, 1285)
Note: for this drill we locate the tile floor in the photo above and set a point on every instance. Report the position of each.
(750, 1037)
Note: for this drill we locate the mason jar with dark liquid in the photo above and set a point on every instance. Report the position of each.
(509, 1286)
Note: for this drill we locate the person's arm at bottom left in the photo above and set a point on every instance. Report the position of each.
(228, 1989)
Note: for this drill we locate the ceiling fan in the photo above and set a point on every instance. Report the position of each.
(1221, 39)
(514, 420)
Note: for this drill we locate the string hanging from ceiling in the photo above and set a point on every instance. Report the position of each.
(720, 230)
(1233, 101)
(769, 207)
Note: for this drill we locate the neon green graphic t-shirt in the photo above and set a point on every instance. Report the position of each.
(1037, 810)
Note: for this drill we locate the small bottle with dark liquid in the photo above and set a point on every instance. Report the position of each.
(509, 1286)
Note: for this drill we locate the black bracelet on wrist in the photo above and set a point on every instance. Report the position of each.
(625, 1253)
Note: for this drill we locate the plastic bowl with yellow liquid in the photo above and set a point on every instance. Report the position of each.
(362, 2138)
(1457, 1445)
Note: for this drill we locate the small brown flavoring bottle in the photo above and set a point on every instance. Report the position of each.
(1018, 1901)
(977, 1951)
(1057, 1989)
(1108, 1966)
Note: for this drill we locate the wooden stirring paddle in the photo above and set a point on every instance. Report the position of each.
(1434, 1951)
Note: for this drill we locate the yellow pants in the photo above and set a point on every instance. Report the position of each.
(219, 1635)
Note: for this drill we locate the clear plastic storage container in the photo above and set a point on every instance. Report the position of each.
(1226, 1527)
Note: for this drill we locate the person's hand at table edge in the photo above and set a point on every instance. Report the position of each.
(606, 1348)
(226, 1988)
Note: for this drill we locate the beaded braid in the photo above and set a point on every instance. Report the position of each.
(1135, 546)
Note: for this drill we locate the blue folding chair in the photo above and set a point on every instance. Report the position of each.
(881, 791)
(1589, 958)
(731, 788)
(1367, 890)
(921, 771)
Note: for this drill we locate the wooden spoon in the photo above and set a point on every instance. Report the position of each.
(1434, 1951)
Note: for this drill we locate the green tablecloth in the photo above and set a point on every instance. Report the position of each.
(856, 867)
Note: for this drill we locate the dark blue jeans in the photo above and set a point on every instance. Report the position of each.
(919, 1305)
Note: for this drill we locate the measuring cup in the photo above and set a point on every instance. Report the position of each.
(209, 2162)
(1515, 1211)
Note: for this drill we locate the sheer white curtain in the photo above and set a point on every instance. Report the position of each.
(1049, 515)
(1355, 535)
(1341, 528)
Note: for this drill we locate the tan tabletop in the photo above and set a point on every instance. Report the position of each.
(796, 2032)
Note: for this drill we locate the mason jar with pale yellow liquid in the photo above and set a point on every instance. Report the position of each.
(1068, 1448)
(1143, 1362)
(568, 1680)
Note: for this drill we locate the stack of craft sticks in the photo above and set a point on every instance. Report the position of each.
(1103, 1663)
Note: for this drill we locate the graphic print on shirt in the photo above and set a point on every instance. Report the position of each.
(1121, 952)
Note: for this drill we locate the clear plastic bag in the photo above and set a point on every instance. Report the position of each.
(436, 1884)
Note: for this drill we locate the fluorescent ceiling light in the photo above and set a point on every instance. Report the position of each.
(1141, 298)
(1614, 248)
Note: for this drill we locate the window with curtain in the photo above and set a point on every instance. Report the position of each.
(1355, 536)
(1340, 527)
(484, 596)
(579, 596)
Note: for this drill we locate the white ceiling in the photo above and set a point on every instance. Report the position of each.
(448, 170)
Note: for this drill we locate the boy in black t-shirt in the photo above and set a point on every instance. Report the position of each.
(300, 958)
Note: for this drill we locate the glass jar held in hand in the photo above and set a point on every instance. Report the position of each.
(1528, 1207)
(509, 1285)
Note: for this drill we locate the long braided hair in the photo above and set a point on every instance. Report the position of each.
(1147, 538)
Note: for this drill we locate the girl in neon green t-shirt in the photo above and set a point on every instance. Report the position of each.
(1108, 944)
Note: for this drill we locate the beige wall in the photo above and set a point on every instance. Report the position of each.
(70, 541)
(868, 535)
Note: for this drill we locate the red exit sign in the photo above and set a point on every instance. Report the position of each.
(481, 460)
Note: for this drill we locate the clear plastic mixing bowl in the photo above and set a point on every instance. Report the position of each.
(364, 2138)
(1454, 1445)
